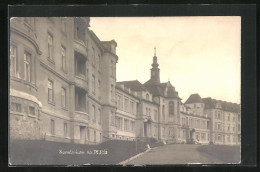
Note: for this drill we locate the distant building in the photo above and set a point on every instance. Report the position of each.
(63, 88)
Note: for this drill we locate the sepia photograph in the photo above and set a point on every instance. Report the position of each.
(125, 90)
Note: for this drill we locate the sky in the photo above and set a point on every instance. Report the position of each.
(196, 54)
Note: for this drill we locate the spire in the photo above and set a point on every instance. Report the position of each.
(155, 64)
(155, 71)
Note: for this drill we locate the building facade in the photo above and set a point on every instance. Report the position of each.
(63, 88)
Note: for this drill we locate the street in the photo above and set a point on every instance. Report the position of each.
(175, 154)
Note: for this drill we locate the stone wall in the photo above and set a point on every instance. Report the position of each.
(22, 123)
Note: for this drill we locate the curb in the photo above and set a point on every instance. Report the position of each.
(133, 157)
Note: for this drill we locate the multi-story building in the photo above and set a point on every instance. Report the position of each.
(59, 72)
(194, 127)
(63, 88)
(225, 118)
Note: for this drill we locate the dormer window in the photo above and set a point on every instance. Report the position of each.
(147, 96)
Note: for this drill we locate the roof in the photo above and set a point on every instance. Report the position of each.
(158, 89)
(133, 85)
(194, 98)
(226, 106)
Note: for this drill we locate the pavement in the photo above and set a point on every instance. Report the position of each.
(174, 154)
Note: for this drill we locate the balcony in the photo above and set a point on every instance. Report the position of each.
(81, 82)
(80, 46)
(81, 116)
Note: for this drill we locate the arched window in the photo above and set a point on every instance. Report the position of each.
(171, 107)
(147, 96)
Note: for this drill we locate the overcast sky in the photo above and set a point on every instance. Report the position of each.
(197, 54)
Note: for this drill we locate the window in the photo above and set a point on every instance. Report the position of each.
(228, 138)
(131, 107)
(63, 97)
(93, 113)
(190, 122)
(93, 84)
(119, 106)
(238, 127)
(219, 137)
(171, 107)
(16, 107)
(234, 128)
(52, 127)
(171, 131)
(228, 117)
(132, 125)
(163, 113)
(80, 100)
(80, 65)
(194, 105)
(219, 116)
(27, 66)
(234, 118)
(126, 104)
(13, 60)
(50, 46)
(95, 136)
(219, 126)
(147, 96)
(117, 122)
(50, 91)
(65, 129)
(31, 110)
(126, 124)
(63, 58)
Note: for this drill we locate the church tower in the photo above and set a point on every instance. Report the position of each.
(155, 71)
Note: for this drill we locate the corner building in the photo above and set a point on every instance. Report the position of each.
(62, 81)
(63, 88)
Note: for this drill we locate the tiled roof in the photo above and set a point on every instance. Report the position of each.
(226, 106)
(158, 89)
(133, 85)
(194, 98)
